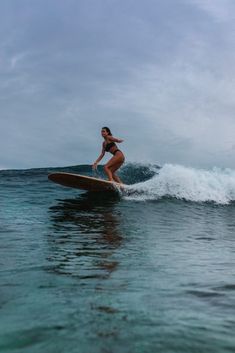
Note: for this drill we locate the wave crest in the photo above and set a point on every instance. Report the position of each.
(186, 183)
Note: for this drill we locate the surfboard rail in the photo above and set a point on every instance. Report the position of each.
(83, 182)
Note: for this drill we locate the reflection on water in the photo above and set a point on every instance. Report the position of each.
(85, 234)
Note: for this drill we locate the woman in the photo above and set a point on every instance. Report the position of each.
(118, 158)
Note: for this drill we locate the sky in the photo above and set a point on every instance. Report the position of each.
(159, 73)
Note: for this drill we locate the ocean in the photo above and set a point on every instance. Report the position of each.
(148, 270)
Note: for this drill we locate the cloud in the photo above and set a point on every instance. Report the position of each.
(221, 11)
(159, 74)
(181, 104)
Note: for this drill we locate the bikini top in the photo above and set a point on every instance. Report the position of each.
(109, 146)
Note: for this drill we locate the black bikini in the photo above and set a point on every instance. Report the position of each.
(116, 152)
(109, 146)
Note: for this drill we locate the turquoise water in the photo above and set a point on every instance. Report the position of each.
(149, 271)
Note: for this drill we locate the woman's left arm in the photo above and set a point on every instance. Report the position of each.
(114, 139)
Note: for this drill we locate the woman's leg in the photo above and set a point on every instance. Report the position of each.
(108, 172)
(113, 170)
(113, 164)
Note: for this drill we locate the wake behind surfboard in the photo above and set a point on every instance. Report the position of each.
(83, 182)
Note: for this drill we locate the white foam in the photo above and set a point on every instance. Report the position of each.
(190, 184)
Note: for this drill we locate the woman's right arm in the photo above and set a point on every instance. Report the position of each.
(94, 166)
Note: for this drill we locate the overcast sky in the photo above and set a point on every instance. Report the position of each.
(159, 73)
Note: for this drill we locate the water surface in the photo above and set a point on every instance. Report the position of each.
(90, 272)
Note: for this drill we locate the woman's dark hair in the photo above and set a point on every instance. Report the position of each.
(107, 129)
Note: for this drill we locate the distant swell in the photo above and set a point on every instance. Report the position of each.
(189, 184)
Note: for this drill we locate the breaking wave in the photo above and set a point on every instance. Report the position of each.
(176, 181)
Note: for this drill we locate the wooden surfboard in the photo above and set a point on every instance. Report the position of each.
(83, 182)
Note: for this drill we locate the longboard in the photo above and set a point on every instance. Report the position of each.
(83, 182)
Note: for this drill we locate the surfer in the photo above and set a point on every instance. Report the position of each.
(118, 158)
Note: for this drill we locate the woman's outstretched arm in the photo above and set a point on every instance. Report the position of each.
(114, 139)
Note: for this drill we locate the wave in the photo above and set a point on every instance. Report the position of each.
(176, 181)
(151, 182)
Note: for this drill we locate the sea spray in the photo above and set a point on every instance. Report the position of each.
(186, 183)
